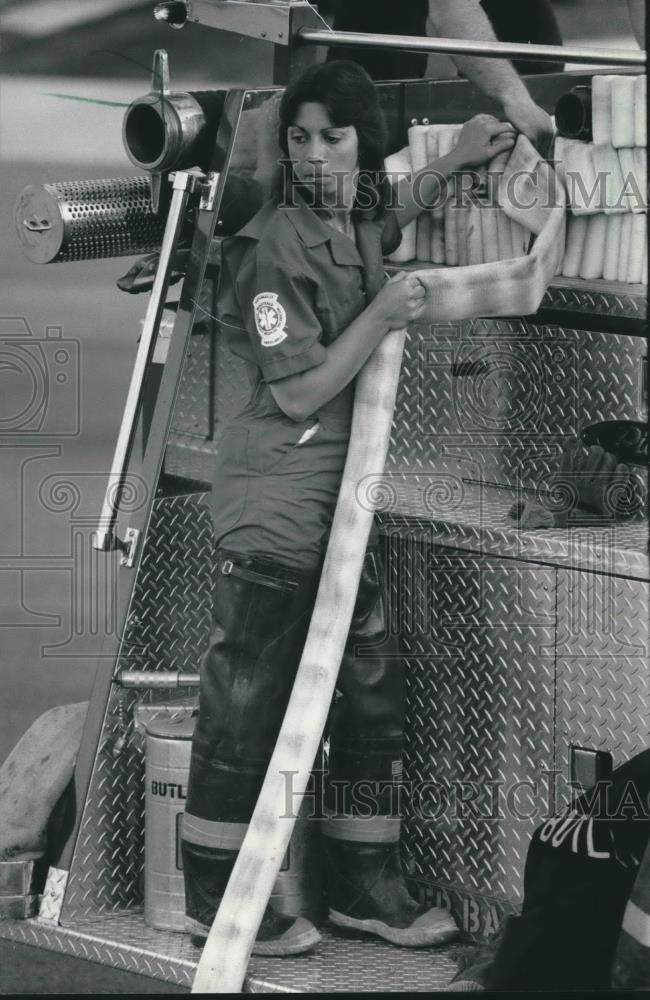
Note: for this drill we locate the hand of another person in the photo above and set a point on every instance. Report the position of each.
(141, 275)
(401, 300)
(529, 118)
(481, 139)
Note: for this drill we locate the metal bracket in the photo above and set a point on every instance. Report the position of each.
(209, 191)
(129, 547)
(269, 21)
(108, 541)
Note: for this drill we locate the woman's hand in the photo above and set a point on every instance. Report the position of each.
(481, 139)
(400, 301)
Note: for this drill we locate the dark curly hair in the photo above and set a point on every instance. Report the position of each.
(349, 96)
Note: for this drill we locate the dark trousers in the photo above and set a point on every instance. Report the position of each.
(261, 618)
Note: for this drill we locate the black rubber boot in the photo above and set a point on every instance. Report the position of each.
(367, 892)
(262, 613)
(208, 871)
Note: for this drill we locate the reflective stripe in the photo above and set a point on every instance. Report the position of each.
(361, 829)
(636, 923)
(208, 833)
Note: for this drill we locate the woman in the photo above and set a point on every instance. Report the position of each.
(304, 300)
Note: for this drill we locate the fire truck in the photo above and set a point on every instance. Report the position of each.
(526, 643)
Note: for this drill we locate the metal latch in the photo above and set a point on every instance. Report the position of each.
(209, 191)
(129, 547)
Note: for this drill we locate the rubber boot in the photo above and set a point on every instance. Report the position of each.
(209, 871)
(262, 613)
(366, 885)
(367, 892)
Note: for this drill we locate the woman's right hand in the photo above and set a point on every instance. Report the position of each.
(400, 301)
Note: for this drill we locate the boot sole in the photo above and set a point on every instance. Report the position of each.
(298, 945)
(271, 949)
(406, 937)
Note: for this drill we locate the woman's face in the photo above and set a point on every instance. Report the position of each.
(325, 157)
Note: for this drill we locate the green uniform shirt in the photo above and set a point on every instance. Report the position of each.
(290, 284)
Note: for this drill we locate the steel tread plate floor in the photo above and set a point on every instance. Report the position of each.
(355, 964)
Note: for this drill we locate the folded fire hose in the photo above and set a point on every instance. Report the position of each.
(530, 194)
(33, 778)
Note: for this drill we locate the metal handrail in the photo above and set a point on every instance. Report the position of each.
(462, 46)
(104, 538)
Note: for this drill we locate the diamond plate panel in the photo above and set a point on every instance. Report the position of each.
(604, 298)
(500, 400)
(53, 895)
(478, 637)
(338, 965)
(172, 603)
(603, 685)
(167, 629)
(193, 415)
(119, 940)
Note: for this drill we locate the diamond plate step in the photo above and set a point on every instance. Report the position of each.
(338, 965)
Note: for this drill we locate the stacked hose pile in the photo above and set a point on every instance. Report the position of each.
(606, 183)
(526, 192)
(467, 226)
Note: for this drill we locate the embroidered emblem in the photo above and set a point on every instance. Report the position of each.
(270, 319)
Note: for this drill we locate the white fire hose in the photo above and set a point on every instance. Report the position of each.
(223, 964)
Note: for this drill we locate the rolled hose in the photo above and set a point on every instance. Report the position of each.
(223, 964)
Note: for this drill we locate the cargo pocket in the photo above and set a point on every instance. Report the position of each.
(230, 480)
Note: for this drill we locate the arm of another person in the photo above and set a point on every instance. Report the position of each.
(496, 77)
(399, 302)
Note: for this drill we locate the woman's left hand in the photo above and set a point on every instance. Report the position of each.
(481, 139)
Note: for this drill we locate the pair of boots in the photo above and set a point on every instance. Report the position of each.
(366, 891)
(261, 616)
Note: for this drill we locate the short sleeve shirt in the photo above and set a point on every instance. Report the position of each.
(290, 284)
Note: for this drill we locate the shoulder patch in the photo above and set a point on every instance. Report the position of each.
(270, 319)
